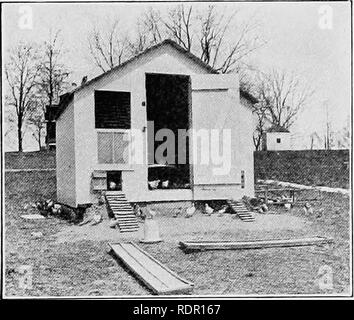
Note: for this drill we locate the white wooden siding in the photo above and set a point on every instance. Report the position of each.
(65, 157)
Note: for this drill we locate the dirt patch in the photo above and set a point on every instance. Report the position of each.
(69, 260)
(198, 227)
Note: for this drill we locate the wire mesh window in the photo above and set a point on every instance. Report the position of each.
(113, 147)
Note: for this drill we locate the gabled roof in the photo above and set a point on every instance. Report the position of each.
(65, 99)
(276, 128)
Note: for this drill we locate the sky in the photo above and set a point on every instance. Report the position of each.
(295, 43)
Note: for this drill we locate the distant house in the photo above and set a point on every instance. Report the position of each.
(277, 138)
(50, 116)
(174, 89)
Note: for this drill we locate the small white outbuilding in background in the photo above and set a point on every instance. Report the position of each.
(277, 138)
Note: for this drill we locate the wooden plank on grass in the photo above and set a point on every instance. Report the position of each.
(255, 244)
(150, 271)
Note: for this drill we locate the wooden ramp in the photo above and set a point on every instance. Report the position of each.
(255, 244)
(150, 271)
(240, 209)
(122, 210)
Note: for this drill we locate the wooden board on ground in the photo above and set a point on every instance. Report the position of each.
(150, 271)
(33, 216)
(255, 244)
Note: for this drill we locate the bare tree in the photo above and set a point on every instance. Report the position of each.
(149, 32)
(52, 81)
(140, 41)
(282, 95)
(221, 42)
(21, 73)
(179, 26)
(36, 120)
(53, 73)
(260, 129)
(108, 49)
(222, 49)
(153, 26)
(344, 135)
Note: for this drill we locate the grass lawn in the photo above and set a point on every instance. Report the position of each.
(70, 260)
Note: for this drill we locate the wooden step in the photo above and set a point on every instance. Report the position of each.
(124, 214)
(121, 206)
(125, 220)
(123, 228)
(118, 196)
(113, 206)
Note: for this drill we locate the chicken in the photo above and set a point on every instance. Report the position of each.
(112, 185)
(49, 204)
(222, 210)
(308, 209)
(56, 209)
(151, 213)
(190, 211)
(39, 205)
(96, 219)
(287, 206)
(113, 223)
(209, 210)
(154, 184)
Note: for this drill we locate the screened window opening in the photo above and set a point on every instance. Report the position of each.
(112, 110)
(113, 147)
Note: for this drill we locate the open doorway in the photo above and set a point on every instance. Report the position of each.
(114, 180)
(168, 106)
